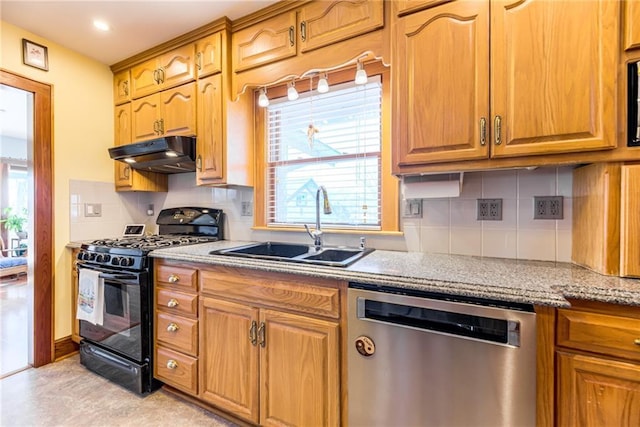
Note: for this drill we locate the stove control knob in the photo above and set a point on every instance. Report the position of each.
(103, 258)
(115, 260)
(126, 262)
(90, 256)
(80, 255)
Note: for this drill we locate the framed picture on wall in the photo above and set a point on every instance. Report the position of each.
(35, 55)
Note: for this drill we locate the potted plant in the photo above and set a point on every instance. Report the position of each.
(15, 221)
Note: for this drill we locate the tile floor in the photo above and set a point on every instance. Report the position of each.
(64, 393)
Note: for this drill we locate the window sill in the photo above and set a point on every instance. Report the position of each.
(327, 230)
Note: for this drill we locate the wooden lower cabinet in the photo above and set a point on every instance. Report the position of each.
(598, 365)
(262, 347)
(269, 367)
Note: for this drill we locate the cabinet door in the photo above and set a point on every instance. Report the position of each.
(299, 371)
(442, 64)
(403, 7)
(123, 176)
(553, 76)
(268, 41)
(177, 67)
(210, 129)
(178, 110)
(632, 24)
(121, 87)
(75, 324)
(323, 23)
(228, 359)
(145, 116)
(597, 392)
(629, 224)
(144, 79)
(209, 55)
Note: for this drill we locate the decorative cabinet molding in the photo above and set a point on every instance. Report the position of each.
(631, 24)
(535, 106)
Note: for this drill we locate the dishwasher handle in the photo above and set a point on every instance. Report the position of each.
(492, 330)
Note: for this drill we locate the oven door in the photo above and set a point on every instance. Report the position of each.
(124, 328)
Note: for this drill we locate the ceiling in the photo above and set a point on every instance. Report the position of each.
(136, 25)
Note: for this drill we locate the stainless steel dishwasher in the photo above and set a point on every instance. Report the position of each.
(418, 359)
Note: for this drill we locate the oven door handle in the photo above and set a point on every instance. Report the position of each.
(118, 277)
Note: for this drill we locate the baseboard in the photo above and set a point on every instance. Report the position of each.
(64, 347)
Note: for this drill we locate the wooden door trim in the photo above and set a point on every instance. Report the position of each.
(43, 343)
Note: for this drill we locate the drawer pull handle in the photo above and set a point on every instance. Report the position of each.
(636, 341)
(172, 303)
(172, 364)
(483, 131)
(172, 327)
(173, 278)
(497, 129)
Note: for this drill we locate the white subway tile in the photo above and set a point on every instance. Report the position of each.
(466, 241)
(538, 182)
(471, 185)
(499, 243)
(412, 238)
(464, 213)
(436, 212)
(499, 184)
(563, 246)
(537, 245)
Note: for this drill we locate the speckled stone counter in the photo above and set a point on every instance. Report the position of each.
(535, 282)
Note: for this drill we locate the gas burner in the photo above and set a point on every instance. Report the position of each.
(152, 242)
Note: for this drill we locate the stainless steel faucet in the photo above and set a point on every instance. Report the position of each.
(316, 235)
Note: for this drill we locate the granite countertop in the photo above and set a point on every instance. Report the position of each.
(535, 282)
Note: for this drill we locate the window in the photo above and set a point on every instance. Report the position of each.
(335, 140)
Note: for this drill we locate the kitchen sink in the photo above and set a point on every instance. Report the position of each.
(292, 252)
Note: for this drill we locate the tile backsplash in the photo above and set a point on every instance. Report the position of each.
(448, 225)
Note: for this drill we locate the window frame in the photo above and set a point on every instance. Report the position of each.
(389, 184)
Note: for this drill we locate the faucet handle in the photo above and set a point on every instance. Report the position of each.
(309, 231)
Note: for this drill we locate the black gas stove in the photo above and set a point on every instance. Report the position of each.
(177, 227)
(120, 346)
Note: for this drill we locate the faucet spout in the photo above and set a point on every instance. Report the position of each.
(316, 235)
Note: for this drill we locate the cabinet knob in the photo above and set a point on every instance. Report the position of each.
(199, 163)
(174, 279)
(636, 341)
(172, 364)
(172, 327)
(172, 303)
(127, 172)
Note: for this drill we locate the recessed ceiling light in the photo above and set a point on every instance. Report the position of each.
(101, 25)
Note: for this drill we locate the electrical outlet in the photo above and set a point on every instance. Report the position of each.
(92, 209)
(412, 208)
(247, 209)
(489, 209)
(548, 207)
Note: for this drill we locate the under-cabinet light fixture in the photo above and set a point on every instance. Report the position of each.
(361, 74)
(323, 84)
(263, 100)
(292, 93)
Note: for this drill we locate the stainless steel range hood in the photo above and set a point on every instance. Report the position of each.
(171, 154)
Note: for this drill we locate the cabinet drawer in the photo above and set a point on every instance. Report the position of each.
(176, 369)
(177, 277)
(300, 293)
(599, 333)
(177, 332)
(177, 302)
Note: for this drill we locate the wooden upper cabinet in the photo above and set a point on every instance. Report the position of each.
(209, 55)
(442, 89)
(629, 224)
(322, 23)
(266, 42)
(553, 76)
(314, 25)
(123, 175)
(506, 78)
(210, 141)
(169, 70)
(121, 87)
(178, 110)
(632, 24)
(170, 112)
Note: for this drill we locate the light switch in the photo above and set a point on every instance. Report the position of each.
(92, 209)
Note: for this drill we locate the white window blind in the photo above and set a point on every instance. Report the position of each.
(333, 140)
